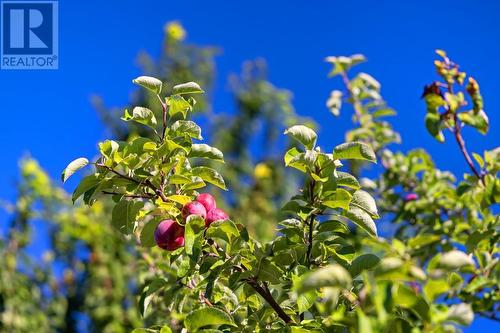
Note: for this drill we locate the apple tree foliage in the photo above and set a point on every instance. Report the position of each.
(326, 269)
(319, 239)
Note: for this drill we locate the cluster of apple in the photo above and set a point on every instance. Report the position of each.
(169, 235)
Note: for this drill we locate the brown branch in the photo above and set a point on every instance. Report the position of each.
(266, 294)
(263, 291)
(461, 143)
(139, 196)
(164, 107)
(147, 182)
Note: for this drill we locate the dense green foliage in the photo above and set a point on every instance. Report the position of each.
(301, 251)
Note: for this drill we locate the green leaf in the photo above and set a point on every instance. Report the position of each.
(223, 229)
(179, 198)
(86, 184)
(192, 235)
(365, 201)
(108, 147)
(407, 298)
(479, 160)
(73, 167)
(332, 275)
(433, 124)
(148, 231)
(454, 259)
(354, 151)
(166, 329)
(205, 151)
(291, 154)
(478, 120)
(183, 127)
(304, 161)
(177, 104)
(195, 183)
(461, 314)
(147, 294)
(207, 317)
(124, 214)
(303, 134)
(270, 272)
(362, 219)
(149, 83)
(340, 199)
(210, 176)
(435, 287)
(187, 88)
(347, 180)
(389, 265)
(141, 115)
(363, 262)
(384, 112)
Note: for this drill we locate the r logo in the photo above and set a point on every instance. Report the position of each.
(29, 28)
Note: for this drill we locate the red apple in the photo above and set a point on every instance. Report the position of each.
(215, 214)
(207, 201)
(194, 208)
(169, 235)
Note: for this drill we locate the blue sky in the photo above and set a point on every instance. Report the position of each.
(48, 114)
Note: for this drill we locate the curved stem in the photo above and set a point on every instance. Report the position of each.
(461, 143)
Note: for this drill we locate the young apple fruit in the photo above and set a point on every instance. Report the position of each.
(194, 208)
(169, 235)
(207, 201)
(215, 214)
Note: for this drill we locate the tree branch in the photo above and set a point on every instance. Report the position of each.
(266, 294)
(310, 224)
(461, 143)
(164, 117)
(147, 182)
(143, 196)
(262, 291)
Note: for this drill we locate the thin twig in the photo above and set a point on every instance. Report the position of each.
(143, 196)
(461, 143)
(263, 291)
(310, 223)
(164, 117)
(147, 182)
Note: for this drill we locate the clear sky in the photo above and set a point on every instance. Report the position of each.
(48, 114)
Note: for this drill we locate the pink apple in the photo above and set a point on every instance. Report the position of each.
(207, 201)
(215, 214)
(194, 208)
(169, 235)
